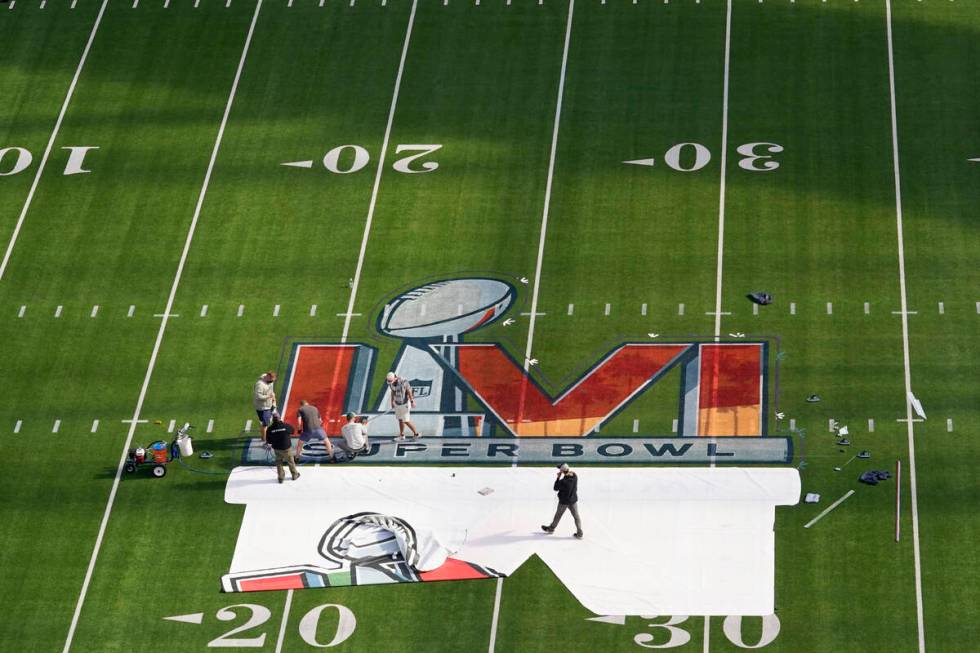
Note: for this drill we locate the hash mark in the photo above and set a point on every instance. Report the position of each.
(43, 2)
(290, 3)
(172, 426)
(978, 308)
(906, 312)
(636, 426)
(73, 3)
(17, 426)
(12, 4)
(132, 310)
(196, 3)
(248, 425)
(204, 310)
(792, 308)
(643, 310)
(608, 308)
(57, 426)
(792, 424)
(942, 308)
(755, 309)
(830, 308)
(136, 3)
(20, 313)
(571, 308)
(867, 308)
(871, 425)
(57, 311)
(949, 424)
(313, 310)
(680, 309)
(95, 426)
(95, 311)
(241, 310)
(321, 2)
(275, 311)
(166, 3)
(227, 3)
(673, 426)
(210, 426)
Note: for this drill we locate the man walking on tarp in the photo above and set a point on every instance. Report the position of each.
(277, 436)
(401, 398)
(566, 485)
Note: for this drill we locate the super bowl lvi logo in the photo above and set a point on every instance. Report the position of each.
(479, 389)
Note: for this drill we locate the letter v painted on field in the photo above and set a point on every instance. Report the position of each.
(723, 388)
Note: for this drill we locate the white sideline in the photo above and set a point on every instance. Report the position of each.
(159, 338)
(54, 135)
(377, 177)
(905, 335)
(537, 267)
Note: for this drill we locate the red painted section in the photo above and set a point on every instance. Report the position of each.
(505, 388)
(321, 374)
(730, 376)
(486, 316)
(453, 569)
(290, 582)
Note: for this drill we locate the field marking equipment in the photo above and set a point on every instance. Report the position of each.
(829, 508)
(837, 469)
(812, 399)
(158, 454)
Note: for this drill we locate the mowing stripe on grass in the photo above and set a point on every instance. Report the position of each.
(54, 135)
(356, 279)
(537, 266)
(905, 332)
(724, 166)
(160, 332)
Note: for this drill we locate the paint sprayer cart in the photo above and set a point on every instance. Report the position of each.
(157, 455)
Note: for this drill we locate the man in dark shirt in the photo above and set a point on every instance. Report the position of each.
(566, 485)
(277, 436)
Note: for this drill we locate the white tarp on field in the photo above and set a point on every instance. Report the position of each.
(657, 540)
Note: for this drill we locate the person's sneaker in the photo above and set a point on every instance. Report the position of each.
(547, 529)
(399, 438)
(296, 478)
(363, 450)
(281, 480)
(416, 436)
(579, 535)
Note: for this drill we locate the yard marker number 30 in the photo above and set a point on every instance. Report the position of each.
(731, 626)
(260, 614)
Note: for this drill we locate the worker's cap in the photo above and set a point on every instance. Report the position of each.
(390, 377)
(349, 415)
(563, 467)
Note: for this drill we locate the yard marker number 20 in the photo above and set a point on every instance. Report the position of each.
(260, 614)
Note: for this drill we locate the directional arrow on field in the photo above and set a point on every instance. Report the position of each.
(619, 620)
(524, 280)
(654, 335)
(532, 361)
(780, 415)
(508, 322)
(737, 335)
(195, 618)
(640, 162)
(298, 164)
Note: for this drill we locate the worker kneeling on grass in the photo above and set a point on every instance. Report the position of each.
(277, 436)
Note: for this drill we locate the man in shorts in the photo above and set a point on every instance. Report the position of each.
(354, 436)
(311, 428)
(401, 399)
(264, 399)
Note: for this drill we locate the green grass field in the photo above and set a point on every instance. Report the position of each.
(160, 282)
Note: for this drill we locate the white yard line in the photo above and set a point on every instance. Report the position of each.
(54, 135)
(724, 166)
(905, 335)
(377, 176)
(285, 618)
(160, 332)
(537, 268)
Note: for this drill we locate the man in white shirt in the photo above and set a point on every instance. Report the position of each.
(264, 399)
(401, 398)
(354, 436)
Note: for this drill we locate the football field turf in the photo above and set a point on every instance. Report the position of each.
(632, 167)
